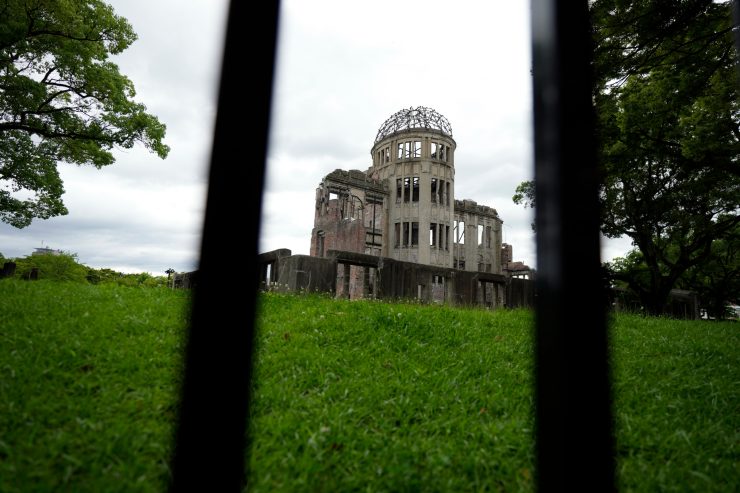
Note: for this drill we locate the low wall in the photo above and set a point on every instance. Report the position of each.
(356, 275)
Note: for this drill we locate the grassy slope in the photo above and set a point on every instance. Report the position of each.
(365, 395)
(677, 398)
(87, 386)
(348, 395)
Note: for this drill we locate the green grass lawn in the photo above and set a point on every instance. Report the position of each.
(87, 386)
(348, 396)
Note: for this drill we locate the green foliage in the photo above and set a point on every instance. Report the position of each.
(717, 281)
(61, 99)
(668, 118)
(103, 276)
(525, 195)
(668, 111)
(62, 267)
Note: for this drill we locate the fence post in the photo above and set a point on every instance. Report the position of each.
(210, 437)
(573, 415)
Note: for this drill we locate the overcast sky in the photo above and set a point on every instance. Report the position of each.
(343, 69)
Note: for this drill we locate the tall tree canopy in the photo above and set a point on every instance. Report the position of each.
(62, 100)
(665, 94)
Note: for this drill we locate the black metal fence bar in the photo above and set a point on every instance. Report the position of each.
(210, 441)
(573, 415)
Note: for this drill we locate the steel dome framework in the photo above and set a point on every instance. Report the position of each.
(419, 117)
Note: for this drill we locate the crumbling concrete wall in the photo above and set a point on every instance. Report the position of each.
(385, 278)
(349, 214)
(478, 249)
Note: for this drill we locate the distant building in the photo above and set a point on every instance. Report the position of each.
(46, 251)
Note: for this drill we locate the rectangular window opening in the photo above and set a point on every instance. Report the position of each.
(432, 234)
(407, 149)
(399, 193)
(433, 151)
(459, 232)
(414, 234)
(481, 231)
(434, 190)
(415, 196)
(397, 235)
(406, 189)
(416, 149)
(320, 243)
(406, 234)
(447, 197)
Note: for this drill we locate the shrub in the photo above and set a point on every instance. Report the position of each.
(61, 267)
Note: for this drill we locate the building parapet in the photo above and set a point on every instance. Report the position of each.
(357, 179)
(472, 207)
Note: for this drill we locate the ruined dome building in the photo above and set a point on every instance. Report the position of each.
(404, 208)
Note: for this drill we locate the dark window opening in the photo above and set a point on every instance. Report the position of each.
(399, 193)
(406, 189)
(414, 234)
(397, 235)
(415, 196)
(434, 190)
(405, 234)
(320, 243)
(432, 234)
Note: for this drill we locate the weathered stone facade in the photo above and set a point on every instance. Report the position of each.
(404, 207)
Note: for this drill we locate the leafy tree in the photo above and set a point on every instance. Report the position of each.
(525, 196)
(666, 100)
(62, 267)
(62, 100)
(100, 276)
(717, 281)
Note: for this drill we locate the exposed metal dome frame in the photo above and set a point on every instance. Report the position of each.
(419, 117)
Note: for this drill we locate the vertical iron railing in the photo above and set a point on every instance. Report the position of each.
(574, 443)
(210, 440)
(573, 417)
